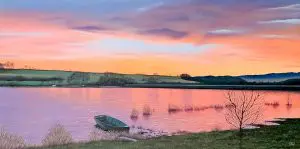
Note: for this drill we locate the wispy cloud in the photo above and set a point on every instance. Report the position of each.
(225, 32)
(134, 28)
(282, 21)
(90, 28)
(288, 7)
(165, 32)
(275, 36)
(23, 34)
(143, 9)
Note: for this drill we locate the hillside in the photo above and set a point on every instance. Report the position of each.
(271, 77)
(22, 77)
(219, 80)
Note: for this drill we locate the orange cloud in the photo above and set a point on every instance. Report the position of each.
(36, 38)
(48, 45)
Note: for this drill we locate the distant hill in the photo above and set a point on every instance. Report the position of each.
(219, 80)
(271, 77)
(290, 78)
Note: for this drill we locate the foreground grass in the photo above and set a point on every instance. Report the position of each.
(285, 136)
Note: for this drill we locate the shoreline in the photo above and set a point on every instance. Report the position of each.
(174, 86)
(286, 134)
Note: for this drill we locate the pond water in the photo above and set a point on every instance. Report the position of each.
(30, 112)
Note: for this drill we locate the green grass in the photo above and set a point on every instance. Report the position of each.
(285, 136)
(94, 77)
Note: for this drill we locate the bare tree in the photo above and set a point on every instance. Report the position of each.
(243, 107)
(9, 65)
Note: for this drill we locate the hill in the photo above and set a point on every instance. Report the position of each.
(26, 77)
(271, 77)
(218, 80)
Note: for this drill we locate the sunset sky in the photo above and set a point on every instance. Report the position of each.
(199, 37)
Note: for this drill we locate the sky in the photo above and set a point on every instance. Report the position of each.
(169, 37)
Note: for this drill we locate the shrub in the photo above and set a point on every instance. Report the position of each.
(188, 108)
(57, 135)
(218, 107)
(10, 141)
(147, 110)
(185, 76)
(173, 108)
(274, 104)
(134, 114)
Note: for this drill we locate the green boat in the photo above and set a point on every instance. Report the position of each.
(108, 123)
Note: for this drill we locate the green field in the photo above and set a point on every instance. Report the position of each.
(93, 77)
(284, 136)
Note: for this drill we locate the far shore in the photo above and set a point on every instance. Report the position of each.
(173, 86)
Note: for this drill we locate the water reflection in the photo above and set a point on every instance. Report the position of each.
(170, 110)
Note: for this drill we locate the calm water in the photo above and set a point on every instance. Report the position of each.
(30, 112)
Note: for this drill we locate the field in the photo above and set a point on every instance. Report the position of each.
(64, 75)
(284, 136)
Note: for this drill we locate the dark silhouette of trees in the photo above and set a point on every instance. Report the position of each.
(245, 108)
(185, 76)
(2, 66)
(7, 65)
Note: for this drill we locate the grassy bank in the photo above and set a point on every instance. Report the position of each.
(50, 78)
(284, 136)
(43, 78)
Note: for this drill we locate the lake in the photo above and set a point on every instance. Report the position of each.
(30, 112)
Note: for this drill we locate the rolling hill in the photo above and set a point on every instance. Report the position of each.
(271, 77)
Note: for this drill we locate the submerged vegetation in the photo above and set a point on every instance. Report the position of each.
(147, 111)
(190, 108)
(134, 114)
(273, 104)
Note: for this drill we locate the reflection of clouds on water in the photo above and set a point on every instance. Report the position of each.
(76, 107)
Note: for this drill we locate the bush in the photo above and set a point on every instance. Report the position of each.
(147, 111)
(173, 108)
(57, 135)
(185, 76)
(134, 114)
(10, 141)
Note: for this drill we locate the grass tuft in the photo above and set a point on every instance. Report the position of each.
(57, 135)
(10, 141)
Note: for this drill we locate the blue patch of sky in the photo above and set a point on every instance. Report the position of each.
(91, 7)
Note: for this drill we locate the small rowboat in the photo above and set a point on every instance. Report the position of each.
(108, 123)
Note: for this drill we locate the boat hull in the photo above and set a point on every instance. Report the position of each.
(108, 123)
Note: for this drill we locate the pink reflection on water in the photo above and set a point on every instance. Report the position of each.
(32, 111)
